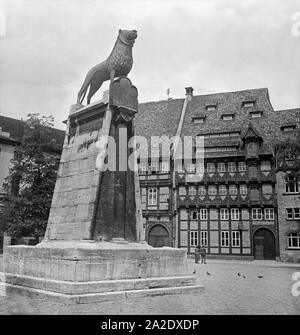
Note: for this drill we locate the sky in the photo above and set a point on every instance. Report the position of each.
(46, 48)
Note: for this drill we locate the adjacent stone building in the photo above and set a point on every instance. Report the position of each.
(237, 208)
(288, 192)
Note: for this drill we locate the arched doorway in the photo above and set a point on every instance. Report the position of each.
(264, 244)
(158, 236)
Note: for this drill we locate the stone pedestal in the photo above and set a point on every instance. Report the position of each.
(82, 272)
(94, 246)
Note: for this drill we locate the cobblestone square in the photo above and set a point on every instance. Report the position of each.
(263, 287)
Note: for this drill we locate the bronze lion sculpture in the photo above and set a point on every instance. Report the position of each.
(118, 63)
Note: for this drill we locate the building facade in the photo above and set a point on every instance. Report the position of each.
(236, 208)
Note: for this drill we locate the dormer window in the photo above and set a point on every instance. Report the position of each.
(211, 107)
(248, 104)
(288, 128)
(198, 119)
(227, 117)
(255, 114)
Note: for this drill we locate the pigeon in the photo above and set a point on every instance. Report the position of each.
(208, 273)
(239, 274)
(260, 276)
(194, 271)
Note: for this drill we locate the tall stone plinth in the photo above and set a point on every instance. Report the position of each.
(94, 246)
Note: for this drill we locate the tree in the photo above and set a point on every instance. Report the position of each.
(31, 179)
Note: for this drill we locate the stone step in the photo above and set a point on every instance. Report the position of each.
(105, 286)
(103, 296)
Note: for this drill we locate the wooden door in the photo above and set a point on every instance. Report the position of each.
(264, 244)
(158, 236)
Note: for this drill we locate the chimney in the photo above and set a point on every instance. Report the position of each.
(189, 93)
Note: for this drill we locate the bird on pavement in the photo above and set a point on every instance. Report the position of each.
(260, 276)
(239, 274)
(194, 271)
(208, 273)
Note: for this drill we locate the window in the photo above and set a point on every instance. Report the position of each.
(243, 189)
(198, 119)
(233, 190)
(294, 241)
(142, 168)
(220, 149)
(269, 213)
(204, 238)
(194, 242)
(212, 190)
(164, 197)
(164, 167)
(231, 167)
(248, 104)
(288, 128)
(194, 214)
(254, 194)
(202, 190)
(191, 168)
(222, 190)
(235, 214)
(154, 167)
(256, 214)
(265, 166)
(267, 189)
(224, 238)
(289, 213)
(224, 214)
(221, 167)
(227, 117)
(256, 114)
(200, 168)
(242, 166)
(210, 167)
(182, 190)
(224, 134)
(192, 190)
(253, 174)
(211, 108)
(203, 214)
(291, 184)
(293, 213)
(235, 238)
(152, 196)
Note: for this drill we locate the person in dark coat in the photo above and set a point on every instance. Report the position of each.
(202, 251)
(197, 254)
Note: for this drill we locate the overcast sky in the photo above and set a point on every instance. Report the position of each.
(46, 48)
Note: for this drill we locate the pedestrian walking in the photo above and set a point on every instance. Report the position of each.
(203, 254)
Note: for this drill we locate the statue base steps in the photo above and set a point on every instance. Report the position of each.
(88, 272)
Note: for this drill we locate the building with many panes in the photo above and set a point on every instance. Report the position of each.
(241, 206)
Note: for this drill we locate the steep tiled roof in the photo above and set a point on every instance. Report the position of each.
(162, 117)
(228, 103)
(158, 118)
(16, 129)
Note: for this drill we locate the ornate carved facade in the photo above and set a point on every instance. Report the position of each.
(234, 209)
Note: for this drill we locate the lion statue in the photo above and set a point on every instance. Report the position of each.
(118, 63)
